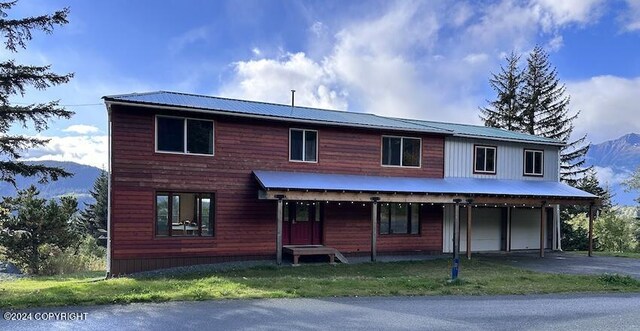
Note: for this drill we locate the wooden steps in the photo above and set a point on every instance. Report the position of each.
(313, 250)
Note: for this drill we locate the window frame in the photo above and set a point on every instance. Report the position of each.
(304, 145)
(524, 162)
(495, 160)
(185, 135)
(410, 207)
(401, 150)
(170, 193)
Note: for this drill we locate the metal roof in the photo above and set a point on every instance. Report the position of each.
(464, 186)
(485, 131)
(275, 111)
(323, 116)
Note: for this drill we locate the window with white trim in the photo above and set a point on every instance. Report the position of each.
(484, 159)
(184, 135)
(401, 151)
(303, 145)
(533, 162)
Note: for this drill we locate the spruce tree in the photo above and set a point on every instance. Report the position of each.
(505, 112)
(94, 217)
(15, 78)
(546, 113)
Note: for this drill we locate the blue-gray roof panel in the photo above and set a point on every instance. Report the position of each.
(278, 111)
(272, 110)
(450, 185)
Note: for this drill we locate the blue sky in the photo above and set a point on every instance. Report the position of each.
(428, 59)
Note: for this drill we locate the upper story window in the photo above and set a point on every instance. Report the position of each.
(184, 135)
(303, 145)
(399, 218)
(401, 151)
(533, 162)
(484, 159)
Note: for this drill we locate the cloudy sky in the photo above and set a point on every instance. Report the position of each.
(428, 60)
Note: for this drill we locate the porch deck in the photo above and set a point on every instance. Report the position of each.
(313, 250)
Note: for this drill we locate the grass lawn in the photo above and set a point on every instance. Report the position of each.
(380, 279)
(633, 255)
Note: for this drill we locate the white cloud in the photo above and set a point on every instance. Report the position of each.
(179, 43)
(554, 13)
(609, 177)
(414, 59)
(608, 105)
(631, 16)
(81, 129)
(88, 149)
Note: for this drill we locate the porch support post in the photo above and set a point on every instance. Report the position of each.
(591, 230)
(469, 231)
(456, 240)
(374, 227)
(543, 222)
(509, 210)
(279, 230)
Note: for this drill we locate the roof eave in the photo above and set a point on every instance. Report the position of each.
(521, 141)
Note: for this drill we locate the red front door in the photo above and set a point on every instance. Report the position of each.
(303, 222)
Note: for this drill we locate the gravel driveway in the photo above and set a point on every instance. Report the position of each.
(571, 263)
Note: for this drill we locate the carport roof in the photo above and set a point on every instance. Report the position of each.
(296, 181)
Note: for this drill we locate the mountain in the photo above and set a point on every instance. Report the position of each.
(615, 160)
(79, 185)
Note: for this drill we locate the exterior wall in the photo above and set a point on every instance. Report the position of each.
(510, 159)
(487, 232)
(348, 229)
(244, 225)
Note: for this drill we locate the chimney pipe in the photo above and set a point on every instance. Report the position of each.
(293, 98)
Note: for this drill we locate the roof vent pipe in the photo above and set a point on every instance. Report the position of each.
(293, 98)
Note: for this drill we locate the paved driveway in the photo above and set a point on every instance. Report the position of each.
(537, 312)
(571, 263)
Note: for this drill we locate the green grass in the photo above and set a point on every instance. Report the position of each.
(633, 255)
(380, 279)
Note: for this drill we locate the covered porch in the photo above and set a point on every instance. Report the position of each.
(459, 198)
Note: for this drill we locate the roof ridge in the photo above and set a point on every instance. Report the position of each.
(131, 94)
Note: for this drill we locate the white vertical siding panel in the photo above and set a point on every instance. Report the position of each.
(510, 159)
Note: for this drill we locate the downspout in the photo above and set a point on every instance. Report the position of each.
(109, 273)
(557, 212)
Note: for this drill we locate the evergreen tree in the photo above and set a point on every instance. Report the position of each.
(505, 112)
(546, 113)
(14, 80)
(94, 217)
(30, 222)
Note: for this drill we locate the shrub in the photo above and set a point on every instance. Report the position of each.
(87, 256)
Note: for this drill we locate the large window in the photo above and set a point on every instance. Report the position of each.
(401, 151)
(184, 135)
(184, 214)
(399, 218)
(484, 159)
(303, 145)
(533, 162)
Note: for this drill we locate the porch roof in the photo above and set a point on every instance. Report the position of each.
(302, 181)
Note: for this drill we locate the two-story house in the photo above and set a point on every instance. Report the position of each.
(198, 179)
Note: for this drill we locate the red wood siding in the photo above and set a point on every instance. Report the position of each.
(348, 228)
(244, 225)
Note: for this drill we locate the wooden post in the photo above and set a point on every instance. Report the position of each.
(469, 231)
(279, 231)
(543, 223)
(591, 230)
(374, 227)
(456, 240)
(508, 248)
